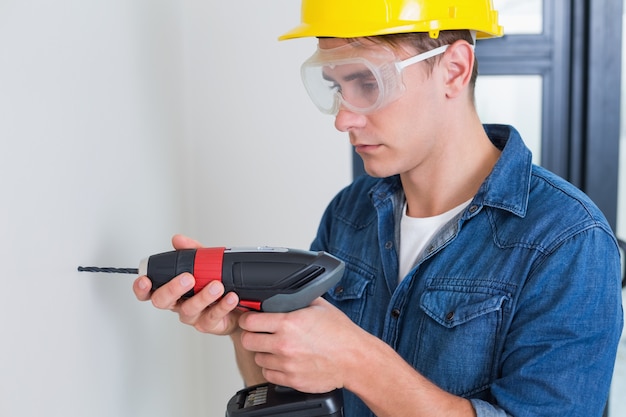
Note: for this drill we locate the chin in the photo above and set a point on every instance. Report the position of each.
(378, 173)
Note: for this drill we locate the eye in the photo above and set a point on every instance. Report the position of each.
(332, 85)
(369, 87)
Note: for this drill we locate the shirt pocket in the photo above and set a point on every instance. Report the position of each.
(350, 293)
(459, 336)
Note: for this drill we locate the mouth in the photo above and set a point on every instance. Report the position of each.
(363, 148)
(364, 145)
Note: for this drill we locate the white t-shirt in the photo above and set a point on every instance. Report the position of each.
(416, 232)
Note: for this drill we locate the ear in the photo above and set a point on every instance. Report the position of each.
(458, 63)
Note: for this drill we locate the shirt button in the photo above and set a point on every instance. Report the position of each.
(395, 313)
(339, 290)
(450, 316)
(473, 209)
(389, 245)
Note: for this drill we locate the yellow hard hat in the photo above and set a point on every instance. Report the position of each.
(357, 18)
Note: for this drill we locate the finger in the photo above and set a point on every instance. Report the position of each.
(276, 377)
(215, 318)
(263, 343)
(196, 305)
(261, 322)
(184, 242)
(269, 361)
(166, 296)
(142, 287)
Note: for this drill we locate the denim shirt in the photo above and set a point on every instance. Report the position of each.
(515, 304)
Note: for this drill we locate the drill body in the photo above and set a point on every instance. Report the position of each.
(265, 278)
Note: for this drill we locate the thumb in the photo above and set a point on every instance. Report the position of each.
(184, 242)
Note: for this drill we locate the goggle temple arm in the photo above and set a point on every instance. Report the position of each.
(428, 54)
(421, 57)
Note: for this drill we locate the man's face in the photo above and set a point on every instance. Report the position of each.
(400, 136)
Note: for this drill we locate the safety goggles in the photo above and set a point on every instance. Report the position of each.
(359, 77)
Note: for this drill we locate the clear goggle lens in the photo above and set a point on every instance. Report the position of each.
(362, 79)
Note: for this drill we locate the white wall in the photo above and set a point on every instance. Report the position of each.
(251, 131)
(121, 123)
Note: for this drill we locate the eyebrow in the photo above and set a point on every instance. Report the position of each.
(350, 77)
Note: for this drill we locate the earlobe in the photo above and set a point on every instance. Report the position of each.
(459, 63)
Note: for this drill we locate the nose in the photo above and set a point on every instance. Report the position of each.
(346, 120)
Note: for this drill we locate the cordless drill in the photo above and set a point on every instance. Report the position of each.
(270, 279)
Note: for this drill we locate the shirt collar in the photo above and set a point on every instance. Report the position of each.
(508, 185)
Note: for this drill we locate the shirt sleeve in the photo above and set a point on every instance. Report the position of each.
(484, 409)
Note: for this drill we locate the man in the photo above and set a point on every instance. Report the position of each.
(476, 284)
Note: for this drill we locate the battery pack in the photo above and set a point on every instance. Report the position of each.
(269, 400)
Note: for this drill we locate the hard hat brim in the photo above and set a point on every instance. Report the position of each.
(305, 30)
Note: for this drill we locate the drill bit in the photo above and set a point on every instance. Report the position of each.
(109, 270)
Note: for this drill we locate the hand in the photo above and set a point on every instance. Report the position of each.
(310, 349)
(205, 311)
